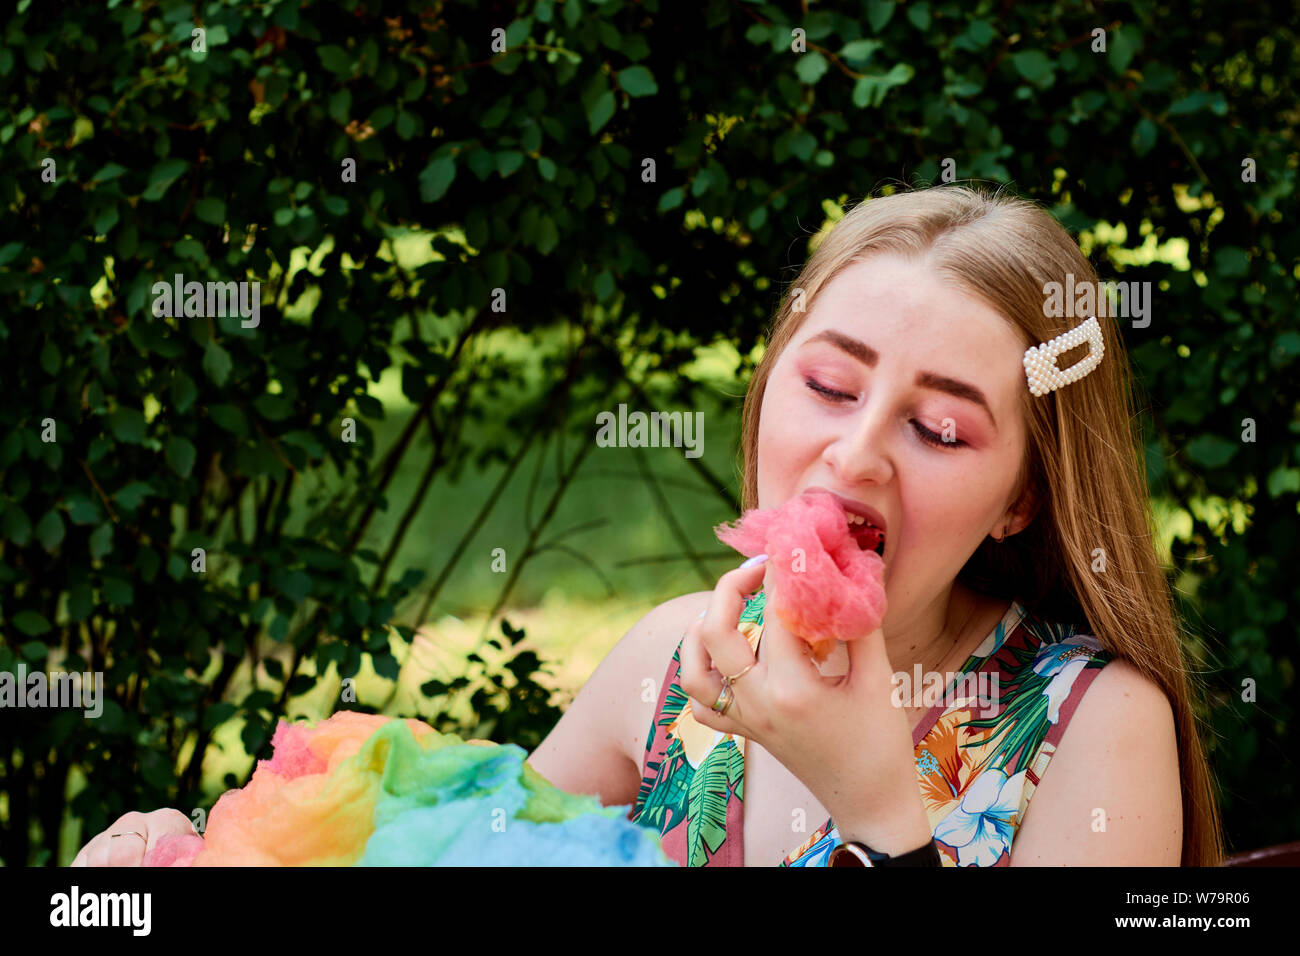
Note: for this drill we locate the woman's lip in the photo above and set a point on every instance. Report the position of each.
(855, 507)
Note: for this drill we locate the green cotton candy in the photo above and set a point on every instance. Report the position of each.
(549, 804)
(446, 802)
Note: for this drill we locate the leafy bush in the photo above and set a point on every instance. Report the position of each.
(620, 185)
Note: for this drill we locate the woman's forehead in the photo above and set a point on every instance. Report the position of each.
(912, 317)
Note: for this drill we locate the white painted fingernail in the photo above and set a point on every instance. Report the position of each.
(702, 613)
(756, 559)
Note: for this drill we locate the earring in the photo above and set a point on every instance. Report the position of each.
(1004, 535)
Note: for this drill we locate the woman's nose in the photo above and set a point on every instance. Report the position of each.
(860, 452)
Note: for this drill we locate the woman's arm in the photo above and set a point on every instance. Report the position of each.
(1117, 767)
(590, 749)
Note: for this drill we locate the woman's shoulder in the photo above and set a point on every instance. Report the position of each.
(645, 655)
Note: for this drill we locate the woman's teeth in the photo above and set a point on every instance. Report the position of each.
(857, 523)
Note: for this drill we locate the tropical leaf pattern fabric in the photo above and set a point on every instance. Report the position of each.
(981, 750)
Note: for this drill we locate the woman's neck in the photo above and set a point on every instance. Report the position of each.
(941, 634)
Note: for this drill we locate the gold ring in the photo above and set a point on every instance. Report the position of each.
(723, 703)
(129, 833)
(731, 680)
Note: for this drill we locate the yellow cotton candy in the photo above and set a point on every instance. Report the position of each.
(321, 819)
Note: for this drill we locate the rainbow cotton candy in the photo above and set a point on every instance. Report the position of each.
(365, 790)
(821, 585)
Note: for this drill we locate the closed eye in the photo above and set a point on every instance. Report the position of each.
(830, 393)
(931, 438)
(927, 436)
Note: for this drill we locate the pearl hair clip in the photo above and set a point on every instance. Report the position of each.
(1040, 361)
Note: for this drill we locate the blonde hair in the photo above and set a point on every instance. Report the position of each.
(1082, 465)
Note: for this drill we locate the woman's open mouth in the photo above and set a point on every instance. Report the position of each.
(866, 535)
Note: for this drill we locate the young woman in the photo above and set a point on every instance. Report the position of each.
(1017, 549)
(1017, 545)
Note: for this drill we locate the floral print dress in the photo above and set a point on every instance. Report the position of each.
(978, 758)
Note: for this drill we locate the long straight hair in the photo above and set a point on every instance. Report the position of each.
(1083, 463)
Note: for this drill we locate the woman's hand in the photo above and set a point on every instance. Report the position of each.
(105, 849)
(842, 736)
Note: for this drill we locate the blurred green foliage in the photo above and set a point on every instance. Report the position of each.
(629, 175)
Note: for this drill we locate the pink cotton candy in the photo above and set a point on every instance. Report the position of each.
(292, 757)
(175, 849)
(821, 585)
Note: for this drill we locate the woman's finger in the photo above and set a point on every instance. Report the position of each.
(726, 647)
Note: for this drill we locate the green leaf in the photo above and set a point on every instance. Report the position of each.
(386, 665)
(105, 220)
(49, 531)
(1283, 480)
(637, 81)
(1286, 345)
(274, 408)
(34, 651)
(211, 210)
(1034, 66)
(869, 91)
(341, 107)
(127, 424)
(295, 585)
(101, 540)
(216, 362)
(181, 455)
(435, 179)
(107, 172)
(1232, 262)
(335, 59)
(672, 198)
(919, 14)
(548, 237)
(860, 51)
(382, 118)
(218, 714)
(546, 168)
(130, 496)
(1144, 136)
(811, 67)
(162, 176)
(183, 392)
(51, 361)
(82, 510)
(1211, 451)
(190, 249)
(1123, 46)
(31, 623)
(508, 161)
(9, 251)
(231, 418)
(81, 601)
(118, 591)
(878, 13)
(599, 112)
(407, 125)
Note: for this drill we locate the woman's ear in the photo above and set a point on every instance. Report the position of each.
(1022, 512)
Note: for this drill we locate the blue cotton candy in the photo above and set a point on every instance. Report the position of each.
(459, 805)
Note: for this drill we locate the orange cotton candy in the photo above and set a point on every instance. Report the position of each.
(820, 584)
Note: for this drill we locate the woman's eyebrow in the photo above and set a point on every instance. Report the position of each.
(868, 356)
